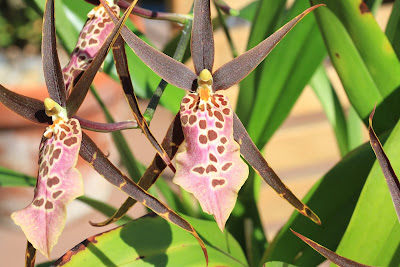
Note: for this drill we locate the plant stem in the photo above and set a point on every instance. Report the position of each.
(150, 14)
(178, 55)
(226, 30)
(106, 127)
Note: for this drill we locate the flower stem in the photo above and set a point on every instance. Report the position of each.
(150, 14)
(106, 127)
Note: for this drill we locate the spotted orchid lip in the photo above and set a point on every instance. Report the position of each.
(58, 183)
(210, 166)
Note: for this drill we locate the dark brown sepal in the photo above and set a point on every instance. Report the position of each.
(390, 176)
(172, 71)
(253, 156)
(237, 69)
(93, 155)
(51, 64)
(27, 107)
(330, 255)
(172, 140)
(121, 63)
(202, 43)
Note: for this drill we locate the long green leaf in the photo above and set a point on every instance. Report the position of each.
(332, 107)
(333, 198)
(364, 59)
(279, 85)
(267, 15)
(373, 233)
(151, 241)
(392, 28)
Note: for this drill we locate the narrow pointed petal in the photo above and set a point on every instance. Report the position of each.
(58, 183)
(330, 255)
(30, 255)
(27, 107)
(172, 71)
(172, 140)
(121, 64)
(237, 69)
(253, 156)
(51, 64)
(390, 176)
(93, 35)
(202, 43)
(93, 155)
(210, 166)
(81, 88)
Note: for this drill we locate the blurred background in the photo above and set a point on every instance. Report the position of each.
(301, 151)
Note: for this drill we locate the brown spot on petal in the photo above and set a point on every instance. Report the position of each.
(208, 106)
(226, 166)
(97, 31)
(214, 102)
(203, 139)
(38, 202)
(226, 111)
(65, 127)
(49, 205)
(56, 154)
(219, 115)
(63, 135)
(219, 125)
(202, 108)
(220, 149)
(83, 44)
(51, 149)
(100, 25)
(45, 170)
(92, 41)
(52, 181)
(199, 170)
(210, 114)
(56, 194)
(70, 141)
(364, 8)
(90, 28)
(184, 119)
(212, 157)
(203, 124)
(46, 150)
(212, 135)
(192, 119)
(185, 100)
(211, 168)
(216, 182)
(224, 140)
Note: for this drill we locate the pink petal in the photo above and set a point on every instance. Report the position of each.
(210, 166)
(59, 182)
(93, 35)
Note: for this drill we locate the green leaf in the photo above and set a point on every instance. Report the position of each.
(364, 59)
(279, 85)
(248, 12)
(333, 198)
(151, 241)
(332, 107)
(373, 233)
(392, 28)
(278, 264)
(10, 178)
(266, 16)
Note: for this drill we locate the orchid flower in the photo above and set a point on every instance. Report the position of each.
(58, 181)
(210, 165)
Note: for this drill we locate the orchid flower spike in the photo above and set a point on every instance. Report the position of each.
(210, 165)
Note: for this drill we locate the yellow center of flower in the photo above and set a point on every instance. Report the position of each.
(204, 82)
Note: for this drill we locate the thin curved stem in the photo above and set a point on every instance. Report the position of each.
(106, 127)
